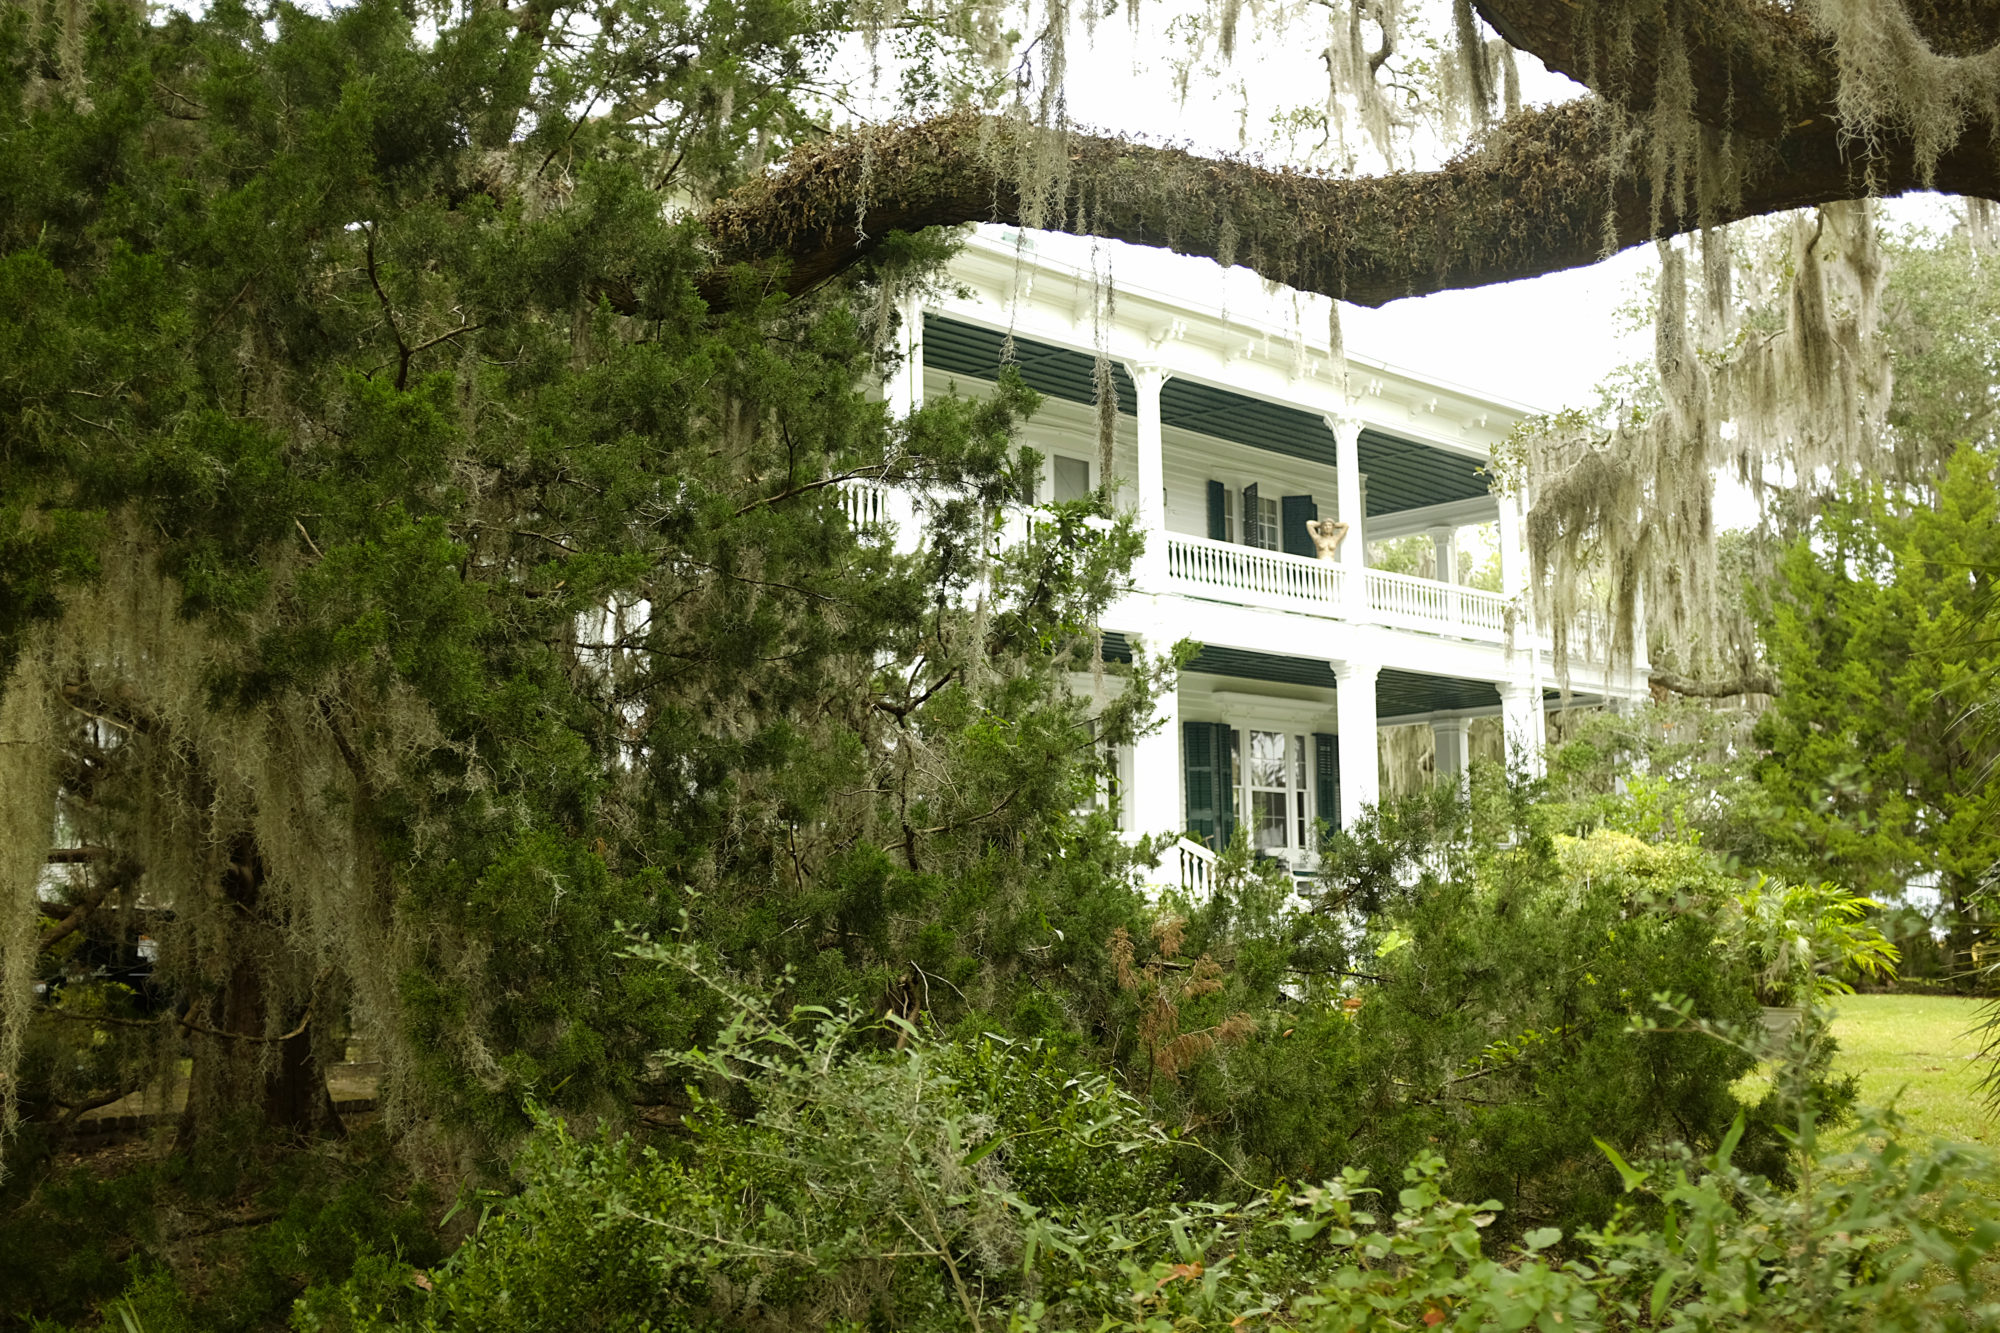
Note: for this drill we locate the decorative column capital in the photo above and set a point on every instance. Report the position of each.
(1346, 426)
(1355, 672)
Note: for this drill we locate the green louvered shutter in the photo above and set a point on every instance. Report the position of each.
(1198, 766)
(1253, 517)
(1326, 774)
(1294, 512)
(1225, 786)
(1218, 512)
(1210, 774)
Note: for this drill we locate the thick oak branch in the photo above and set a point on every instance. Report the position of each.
(1666, 682)
(1754, 68)
(1532, 199)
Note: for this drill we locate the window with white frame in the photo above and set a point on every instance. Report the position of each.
(1274, 790)
(1260, 521)
(1269, 793)
(1105, 792)
(1069, 478)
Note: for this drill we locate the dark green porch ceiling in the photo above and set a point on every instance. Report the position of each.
(1397, 693)
(1402, 474)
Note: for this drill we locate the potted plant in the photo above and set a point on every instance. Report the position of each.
(1800, 939)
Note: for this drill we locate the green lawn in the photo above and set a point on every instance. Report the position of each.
(1918, 1046)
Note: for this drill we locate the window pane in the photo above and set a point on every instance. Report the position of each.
(1269, 523)
(1072, 478)
(1267, 759)
(1268, 809)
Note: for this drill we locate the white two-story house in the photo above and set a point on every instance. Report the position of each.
(1232, 435)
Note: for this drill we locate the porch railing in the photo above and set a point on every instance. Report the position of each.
(1256, 577)
(1197, 867)
(1294, 583)
(1404, 599)
(1253, 575)
(866, 504)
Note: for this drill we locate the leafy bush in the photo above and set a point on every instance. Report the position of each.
(1891, 1237)
(884, 1180)
(832, 1171)
(1494, 1003)
(222, 1239)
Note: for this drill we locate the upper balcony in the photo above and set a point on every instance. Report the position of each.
(1201, 567)
(1231, 438)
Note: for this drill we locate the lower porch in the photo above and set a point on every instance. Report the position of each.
(1271, 744)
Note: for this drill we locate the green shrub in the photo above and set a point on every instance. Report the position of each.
(1894, 1237)
(823, 1178)
(882, 1188)
(1507, 1016)
(222, 1239)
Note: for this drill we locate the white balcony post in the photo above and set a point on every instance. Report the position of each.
(1514, 574)
(1444, 541)
(905, 389)
(1347, 486)
(1523, 726)
(1360, 745)
(1151, 481)
(1452, 751)
(1153, 797)
(1513, 552)
(904, 394)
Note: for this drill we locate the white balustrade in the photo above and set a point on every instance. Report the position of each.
(1254, 576)
(1415, 603)
(1590, 636)
(1197, 868)
(1293, 583)
(866, 504)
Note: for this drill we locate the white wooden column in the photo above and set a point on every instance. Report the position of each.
(904, 393)
(1360, 745)
(1522, 725)
(1513, 552)
(1153, 797)
(905, 389)
(1444, 543)
(1151, 479)
(1452, 751)
(1347, 487)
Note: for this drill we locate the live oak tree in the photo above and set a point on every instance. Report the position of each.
(423, 545)
(395, 620)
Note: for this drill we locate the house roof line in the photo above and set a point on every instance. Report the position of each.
(995, 249)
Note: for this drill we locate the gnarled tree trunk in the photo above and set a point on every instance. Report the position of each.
(240, 1065)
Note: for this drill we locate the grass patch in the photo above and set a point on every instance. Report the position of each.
(1918, 1050)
